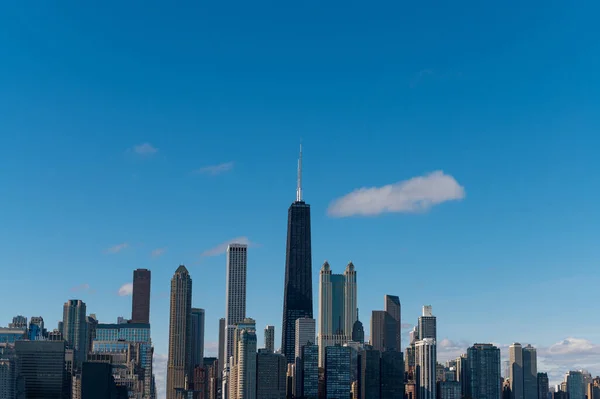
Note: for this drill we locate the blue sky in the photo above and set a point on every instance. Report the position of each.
(109, 113)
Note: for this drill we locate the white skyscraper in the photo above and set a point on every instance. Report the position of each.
(515, 357)
(305, 333)
(426, 361)
(235, 311)
(337, 307)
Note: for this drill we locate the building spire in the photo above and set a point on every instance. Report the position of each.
(299, 183)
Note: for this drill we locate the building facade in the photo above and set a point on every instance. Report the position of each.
(140, 300)
(235, 311)
(305, 333)
(75, 329)
(298, 296)
(337, 371)
(483, 372)
(515, 358)
(393, 308)
(530, 385)
(426, 361)
(197, 337)
(427, 326)
(41, 366)
(270, 338)
(271, 370)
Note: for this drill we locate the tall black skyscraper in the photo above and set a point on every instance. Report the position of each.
(298, 295)
(140, 302)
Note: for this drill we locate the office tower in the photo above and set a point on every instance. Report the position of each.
(92, 324)
(309, 376)
(128, 347)
(337, 371)
(483, 372)
(140, 301)
(393, 308)
(449, 390)
(427, 324)
(350, 299)
(462, 373)
(593, 389)
(383, 331)
(515, 357)
(392, 375)
(271, 370)
(242, 377)
(41, 366)
(529, 372)
(358, 331)
(18, 322)
(75, 329)
(370, 374)
(179, 368)
(8, 372)
(426, 361)
(222, 342)
(305, 334)
(575, 385)
(270, 338)
(298, 295)
(197, 337)
(544, 386)
(235, 312)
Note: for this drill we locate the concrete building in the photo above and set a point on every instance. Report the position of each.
(242, 377)
(75, 329)
(270, 339)
(426, 361)
(427, 326)
(179, 365)
(305, 333)
(515, 358)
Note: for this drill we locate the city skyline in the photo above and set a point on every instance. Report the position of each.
(455, 144)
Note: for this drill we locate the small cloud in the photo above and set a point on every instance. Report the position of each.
(126, 289)
(116, 248)
(81, 287)
(406, 326)
(418, 194)
(214, 170)
(158, 252)
(145, 149)
(222, 248)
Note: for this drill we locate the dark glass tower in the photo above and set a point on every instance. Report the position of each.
(298, 295)
(140, 303)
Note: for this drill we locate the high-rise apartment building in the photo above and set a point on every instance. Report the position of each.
(427, 324)
(393, 308)
(270, 339)
(575, 385)
(242, 376)
(515, 358)
(483, 372)
(75, 329)
(140, 300)
(337, 307)
(530, 390)
(179, 368)
(426, 362)
(305, 334)
(271, 370)
(41, 366)
(235, 312)
(197, 337)
(297, 301)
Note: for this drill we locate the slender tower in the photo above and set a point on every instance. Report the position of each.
(179, 368)
(235, 312)
(140, 302)
(298, 297)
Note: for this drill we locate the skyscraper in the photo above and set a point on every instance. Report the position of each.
(483, 372)
(337, 371)
(370, 374)
(427, 324)
(270, 338)
(179, 368)
(75, 329)
(337, 307)
(426, 363)
(271, 369)
(140, 301)
(392, 375)
(530, 390)
(575, 385)
(41, 365)
(383, 331)
(393, 308)
(242, 384)
(235, 312)
(222, 343)
(544, 386)
(305, 334)
(515, 357)
(297, 301)
(309, 375)
(197, 337)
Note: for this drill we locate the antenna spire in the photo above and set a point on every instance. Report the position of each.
(299, 183)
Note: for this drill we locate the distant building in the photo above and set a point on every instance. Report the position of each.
(392, 375)
(393, 308)
(12, 334)
(370, 374)
(425, 356)
(575, 386)
(18, 322)
(270, 338)
(383, 331)
(97, 382)
(515, 354)
(237, 255)
(337, 372)
(75, 329)
(305, 333)
(544, 386)
(41, 366)
(427, 326)
(8, 376)
(271, 369)
(140, 300)
(242, 377)
(358, 331)
(309, 380)
(222, 343)
(530, 386)
(197, 337)
(483, 372)
(449, 390)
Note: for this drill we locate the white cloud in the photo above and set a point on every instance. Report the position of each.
(126, 289)
(216, 169)
(116, 248)
(222, 248)
(145, 149)
(159, 368)
(418, 194)
(158, 252)
(81, 287)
